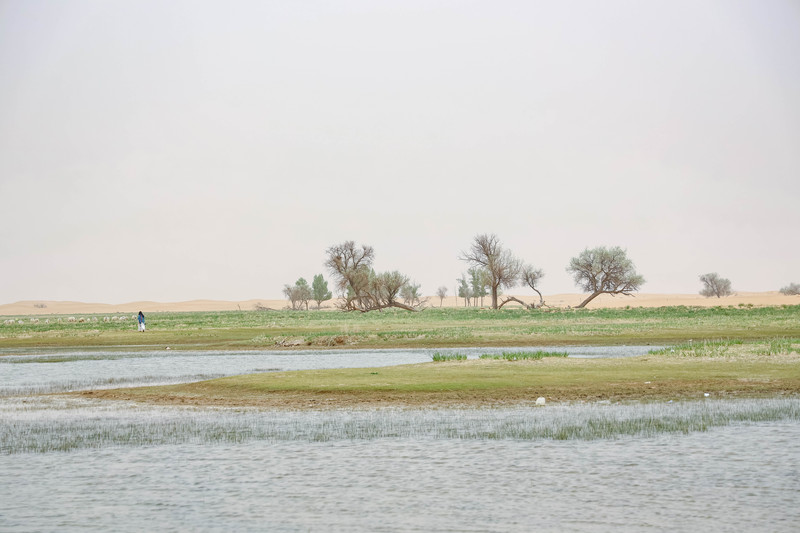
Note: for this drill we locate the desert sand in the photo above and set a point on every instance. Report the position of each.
(757, 299)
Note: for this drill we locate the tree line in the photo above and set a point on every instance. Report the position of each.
(492, 268)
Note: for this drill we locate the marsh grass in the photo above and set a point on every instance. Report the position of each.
(780, 347)
(703, 348)
(524, 356)
(99, 383)
(731, 348)
(441, 357)
(54, 424)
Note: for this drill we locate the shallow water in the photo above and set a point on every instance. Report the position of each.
(735, 478)
(45, 371)
(70, 464)
(64, 423)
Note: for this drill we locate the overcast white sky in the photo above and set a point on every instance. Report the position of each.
(181, 150)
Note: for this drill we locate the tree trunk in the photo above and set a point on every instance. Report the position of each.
(494, 297)
(403, 306)
(541, 298)
(513, 299)
(589, 299)
(381, 307)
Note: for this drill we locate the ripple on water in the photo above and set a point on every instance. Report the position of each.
(701, 481)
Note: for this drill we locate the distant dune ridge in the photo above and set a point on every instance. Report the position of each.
(44, 307)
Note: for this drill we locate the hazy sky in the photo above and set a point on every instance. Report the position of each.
(179, 150)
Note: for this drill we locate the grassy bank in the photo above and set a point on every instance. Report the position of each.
(742, 370)
(435, 327)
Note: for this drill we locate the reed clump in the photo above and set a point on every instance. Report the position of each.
(439, 357)
(731, 348)
(524, 356)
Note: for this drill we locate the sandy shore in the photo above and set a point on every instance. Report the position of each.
(42, 307)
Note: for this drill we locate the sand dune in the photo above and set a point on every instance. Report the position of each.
(40, 307)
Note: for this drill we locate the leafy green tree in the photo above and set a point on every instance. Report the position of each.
(604, 270)
(479, 281)
(319, 290)
(464, 290)
(304, 291)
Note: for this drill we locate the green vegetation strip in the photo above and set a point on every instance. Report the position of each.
(743, 372)
(431, 328)
(524, 356)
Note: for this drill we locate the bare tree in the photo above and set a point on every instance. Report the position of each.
(351, 266)
(713, 285)
(604, 270)
(361, 288)
(291, 295)
(441, 292)
(298, 294)
(791, 289)
(503, 268)
(410, 293)
(530, 276)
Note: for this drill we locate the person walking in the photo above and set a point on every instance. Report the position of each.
(141, 321)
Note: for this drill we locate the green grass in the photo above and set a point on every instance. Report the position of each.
(731, 347)
(524, 356)
(441, 357)
(666, 376)
(434, 327)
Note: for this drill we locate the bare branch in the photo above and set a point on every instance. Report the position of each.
(361, 288)
(503, 268)
(714, 285)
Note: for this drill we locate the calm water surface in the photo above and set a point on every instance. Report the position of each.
(736, 478)
(59, 370)
(142, 468)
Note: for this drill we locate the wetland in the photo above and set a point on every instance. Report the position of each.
(662, 419)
